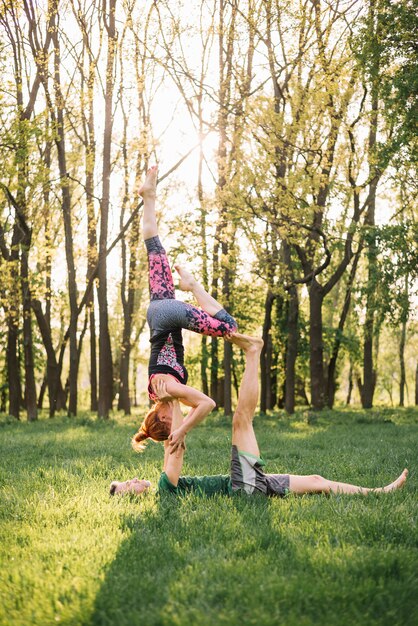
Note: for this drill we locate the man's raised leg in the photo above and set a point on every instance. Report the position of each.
(243, 436)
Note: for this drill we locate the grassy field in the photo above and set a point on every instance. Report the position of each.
(72, 555)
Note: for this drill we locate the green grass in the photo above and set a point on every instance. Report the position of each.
(72, 555)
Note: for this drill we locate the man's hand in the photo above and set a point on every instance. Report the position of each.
(177, 441)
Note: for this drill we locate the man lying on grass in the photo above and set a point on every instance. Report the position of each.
(247, 474)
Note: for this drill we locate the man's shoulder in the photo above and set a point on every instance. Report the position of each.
(165, 485)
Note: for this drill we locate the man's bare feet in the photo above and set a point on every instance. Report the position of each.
(397, 484)
(245, 342)
(187, 280)
(148, 188)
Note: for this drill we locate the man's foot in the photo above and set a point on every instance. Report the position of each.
(245, 342)
(397, 484)
(187, 280)
(148, 188)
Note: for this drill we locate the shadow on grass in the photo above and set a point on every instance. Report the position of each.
(233, 561)
(192, 560)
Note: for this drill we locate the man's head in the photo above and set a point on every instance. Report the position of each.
(129, 486)
(156, 425)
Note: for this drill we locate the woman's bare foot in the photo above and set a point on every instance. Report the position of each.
(245, 342)
(397, 484)
(148, 188)
(187, 280)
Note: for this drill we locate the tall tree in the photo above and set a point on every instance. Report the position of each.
(105, 350)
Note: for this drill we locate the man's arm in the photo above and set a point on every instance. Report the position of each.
(173, 463)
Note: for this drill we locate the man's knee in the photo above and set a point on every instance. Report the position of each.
(319, 483)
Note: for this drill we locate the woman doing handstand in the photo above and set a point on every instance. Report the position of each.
(246, 474)
(167, 317)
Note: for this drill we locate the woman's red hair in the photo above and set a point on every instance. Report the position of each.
(151, 428)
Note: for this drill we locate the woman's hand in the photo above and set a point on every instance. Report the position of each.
(161, 392)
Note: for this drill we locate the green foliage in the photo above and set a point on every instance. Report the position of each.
(70, 554)
(387, 51)
(395, 269)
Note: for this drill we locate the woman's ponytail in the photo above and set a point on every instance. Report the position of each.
(138, 440)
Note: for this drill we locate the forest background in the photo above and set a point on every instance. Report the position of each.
(285, 135)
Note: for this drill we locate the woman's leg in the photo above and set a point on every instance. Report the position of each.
(318, 484)
(204, 300)
(148, 191)
(161, 283)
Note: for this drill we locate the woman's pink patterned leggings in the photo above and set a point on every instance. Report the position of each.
(167, 313)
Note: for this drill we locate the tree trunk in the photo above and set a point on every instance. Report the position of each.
(124, 402)
(41, 394)
(402, 365)
(350, 384)
(30, 386)
(291, 350)
(204, 359)
(13, 369)
(90, 161)
(416, 384)
(264, 372)
(214, 362)
(105, 351)
(316, 360)
(273, 377)
(226, 296)
(93, 359)
(214, 368)
(369, 374)
(58, 120)
(269, 380)
(55, 391)
(3, 399)
(332, 365)
(369, 371)
(402, 343)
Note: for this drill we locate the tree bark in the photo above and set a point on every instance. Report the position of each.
(402, 342)
(402, 364)
(350, 384)
(369, 370)
(214, 361)
(30, 386)
(264, 371)
(316, 345)
(13, 369)
(58, 118)
(90, 160)
(105, 351)
(291, 350)
(332, 365)
(55, 390)
(204, 359)
(416, 384)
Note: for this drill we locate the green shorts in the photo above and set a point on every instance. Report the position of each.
(247, 475)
